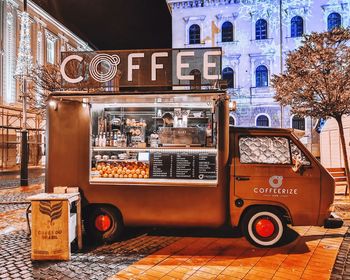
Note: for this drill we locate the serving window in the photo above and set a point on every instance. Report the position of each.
(154, 140)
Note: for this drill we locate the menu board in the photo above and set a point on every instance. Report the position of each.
(206, 166)
(183, 165)
(161, 165)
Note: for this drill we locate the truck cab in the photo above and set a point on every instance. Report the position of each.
(275, 180)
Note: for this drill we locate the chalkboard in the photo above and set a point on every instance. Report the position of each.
(183, 165)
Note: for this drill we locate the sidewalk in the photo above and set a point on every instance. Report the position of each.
(310, 256)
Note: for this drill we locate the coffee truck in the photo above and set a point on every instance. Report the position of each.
(169, 158)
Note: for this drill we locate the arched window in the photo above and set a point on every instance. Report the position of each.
(298, 123)
(195, 34)
(228, 75)
(227, 32)
(232, 120)
(297, 26)
(262, 120)
(261, 29)
(333, 21)
(261, 76)
(196, 83)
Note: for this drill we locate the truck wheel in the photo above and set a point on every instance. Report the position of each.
(263, 227)
(103, 224)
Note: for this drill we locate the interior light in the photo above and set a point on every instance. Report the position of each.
(85, 102)
(53, 104)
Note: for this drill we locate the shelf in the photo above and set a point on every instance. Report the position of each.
(189, 118)
(154, 182)
(117, 160)
(185, 149)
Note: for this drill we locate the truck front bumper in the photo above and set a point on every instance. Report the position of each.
(333, 221)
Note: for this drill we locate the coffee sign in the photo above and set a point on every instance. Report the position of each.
(141, 68)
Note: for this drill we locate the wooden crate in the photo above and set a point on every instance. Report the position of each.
(52, 226)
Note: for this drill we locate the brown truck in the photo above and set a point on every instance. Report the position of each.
(134, 168)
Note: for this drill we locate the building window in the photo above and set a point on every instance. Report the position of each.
(232, 121)
(297, 26)
(261, 76)
(228, 75)
(227, 32)
(195, 34)
(39, 48)
(262, 120)
(333, 21)
(298, 123)
(50, 57)
(196, 83)
(261, 29)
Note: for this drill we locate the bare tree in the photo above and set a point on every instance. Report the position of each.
(46, 79)
(316, 82)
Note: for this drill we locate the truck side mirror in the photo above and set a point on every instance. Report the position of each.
(232, 106)
(298, 165)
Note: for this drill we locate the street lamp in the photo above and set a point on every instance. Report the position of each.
(23, 68)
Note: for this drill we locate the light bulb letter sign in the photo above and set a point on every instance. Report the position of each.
(133, 66)
(180, 65)
(155, 65)
(207, 65)
(63, 70)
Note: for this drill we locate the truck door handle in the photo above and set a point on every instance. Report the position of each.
(239, 178)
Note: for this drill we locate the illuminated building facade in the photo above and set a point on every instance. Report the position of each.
(48, 38)
(255, 36)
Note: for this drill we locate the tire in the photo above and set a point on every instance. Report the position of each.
(107, 233)
(263, 227)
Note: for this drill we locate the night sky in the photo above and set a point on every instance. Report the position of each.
(115, 24)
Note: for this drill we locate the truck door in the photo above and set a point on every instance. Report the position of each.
(263, 174)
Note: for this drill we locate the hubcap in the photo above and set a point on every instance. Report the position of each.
(103, 222)
(264, 228)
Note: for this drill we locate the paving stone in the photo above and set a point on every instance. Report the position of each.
(341, 269)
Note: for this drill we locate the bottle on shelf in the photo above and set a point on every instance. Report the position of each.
(97, 141)
(123, 141)
(100, 140)
(115, 139)
(107, 140)
(209, 140)
(104, 139)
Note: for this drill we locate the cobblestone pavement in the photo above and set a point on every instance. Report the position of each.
(92, 263)
(15, 182)
(11, 178)
(341, 269)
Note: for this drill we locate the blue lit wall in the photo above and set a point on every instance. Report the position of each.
(244, 54)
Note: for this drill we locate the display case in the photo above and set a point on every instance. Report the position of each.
(154, 140)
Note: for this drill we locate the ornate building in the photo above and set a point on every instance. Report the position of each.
(255, 36)
(48, 39)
